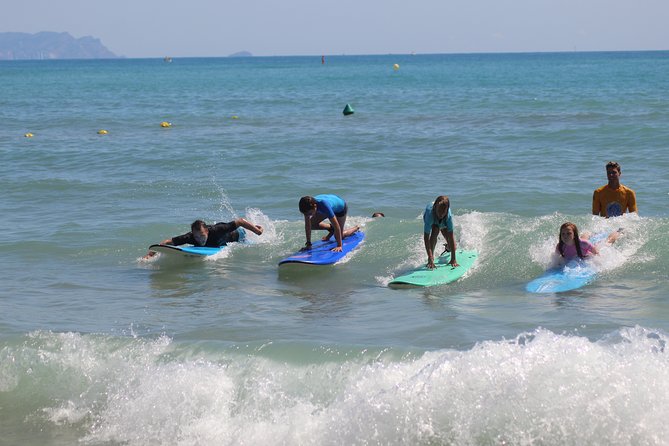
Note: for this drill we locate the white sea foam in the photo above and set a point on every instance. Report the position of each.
(257, 217)
(539, 388)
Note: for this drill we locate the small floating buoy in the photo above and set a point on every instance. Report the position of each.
(165, 124)
(28, 135)
(396, 67)
(235, 117)
(102, 132)
(348, 110)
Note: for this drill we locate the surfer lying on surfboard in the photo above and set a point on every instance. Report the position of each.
(437, 218)
(213, 236)
(318, 208)
(567, 249)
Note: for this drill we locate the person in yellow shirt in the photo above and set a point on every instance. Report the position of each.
(613, 199)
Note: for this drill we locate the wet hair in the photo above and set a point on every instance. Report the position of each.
(442, 199)
(613, 165)
(306, 204)
(197, 225)
(439, 201)
(577, 239)
(378, 214)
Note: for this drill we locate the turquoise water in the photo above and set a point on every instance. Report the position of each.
(100, 347)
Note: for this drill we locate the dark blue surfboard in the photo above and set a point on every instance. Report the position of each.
(186, 251)
(320, 254)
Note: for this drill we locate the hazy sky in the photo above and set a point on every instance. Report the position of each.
(152, 28)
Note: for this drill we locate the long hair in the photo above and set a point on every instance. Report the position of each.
(577, 239)
(440, 200)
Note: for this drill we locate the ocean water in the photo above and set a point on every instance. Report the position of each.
(99, 347)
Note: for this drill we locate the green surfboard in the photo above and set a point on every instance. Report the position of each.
(443, 273)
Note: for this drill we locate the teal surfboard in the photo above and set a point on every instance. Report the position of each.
(186, 251)
(443, 273)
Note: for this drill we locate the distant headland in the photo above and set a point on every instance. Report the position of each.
(51, 45)
(241, 54)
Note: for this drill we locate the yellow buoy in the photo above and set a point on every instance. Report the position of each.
(28, 135)
(235, 117)
(396, 67)
(165, 124)
(102, 132)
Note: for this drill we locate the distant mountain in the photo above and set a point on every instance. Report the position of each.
(51, 45)
(241, 54)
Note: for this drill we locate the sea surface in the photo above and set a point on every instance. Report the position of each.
(100, 347)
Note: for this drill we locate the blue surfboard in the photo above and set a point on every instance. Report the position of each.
(186, 251)
(320, 254)
(573, 275)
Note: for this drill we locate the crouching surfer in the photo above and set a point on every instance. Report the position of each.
(318, 208)
(437, 218)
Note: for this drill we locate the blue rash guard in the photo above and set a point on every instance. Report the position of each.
(330, 205)
(429, 219)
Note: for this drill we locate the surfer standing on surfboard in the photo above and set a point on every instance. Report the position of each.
(318, 208)
(437, 218)
(213, 236)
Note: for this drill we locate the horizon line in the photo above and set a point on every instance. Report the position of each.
(252, 56)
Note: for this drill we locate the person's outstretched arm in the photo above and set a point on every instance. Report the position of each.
(451, 245)
(256, 229)
(307, 231)
(167, 241)
(337, 233)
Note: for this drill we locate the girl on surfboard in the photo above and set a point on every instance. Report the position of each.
(318, 208)
(437, 218)
(567, 247)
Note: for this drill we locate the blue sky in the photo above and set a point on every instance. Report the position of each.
(152, 28)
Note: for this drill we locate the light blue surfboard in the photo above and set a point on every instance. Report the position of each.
(320, 252)
(186, 251)
(575, 274)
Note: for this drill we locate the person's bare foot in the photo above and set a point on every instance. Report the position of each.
(351, 231)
